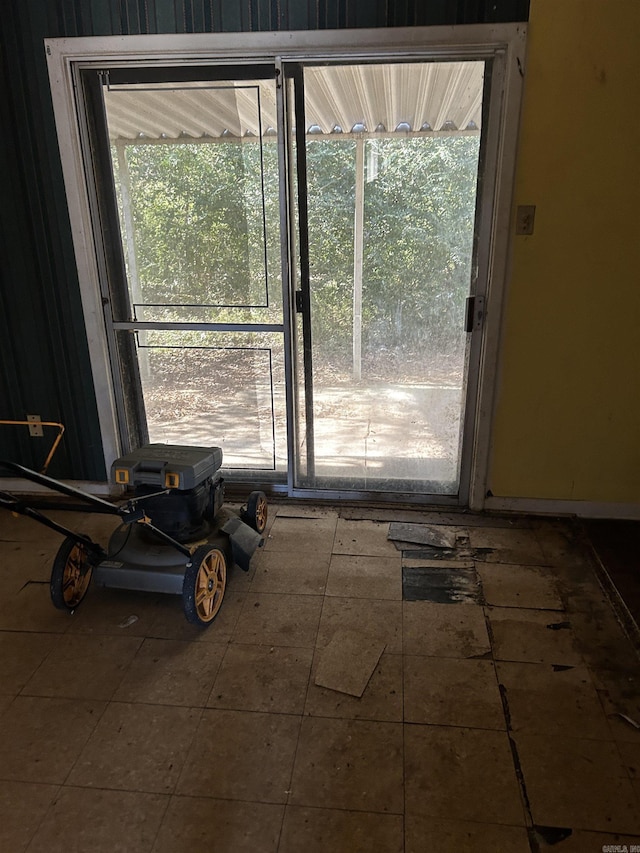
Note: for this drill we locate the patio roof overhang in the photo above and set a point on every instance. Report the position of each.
(349, 100)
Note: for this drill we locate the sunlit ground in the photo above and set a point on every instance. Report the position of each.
(364, 433)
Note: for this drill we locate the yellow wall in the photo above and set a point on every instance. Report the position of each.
(567, 420)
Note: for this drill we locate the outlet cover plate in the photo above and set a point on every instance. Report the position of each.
(35, 427)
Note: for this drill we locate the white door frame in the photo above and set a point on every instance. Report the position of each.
(502, 43)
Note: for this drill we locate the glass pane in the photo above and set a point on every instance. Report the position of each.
(214, 389)
(195, 169)
(391, 224)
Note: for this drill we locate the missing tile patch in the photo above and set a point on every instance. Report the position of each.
(422, 534)
(459, 553)
(441, 585)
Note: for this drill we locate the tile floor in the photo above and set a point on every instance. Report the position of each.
(491, 726)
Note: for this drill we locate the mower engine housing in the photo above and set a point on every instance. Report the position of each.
(192, 476)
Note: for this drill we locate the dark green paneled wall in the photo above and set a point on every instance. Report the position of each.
(44, 353)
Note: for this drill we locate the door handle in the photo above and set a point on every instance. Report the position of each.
(473, 313)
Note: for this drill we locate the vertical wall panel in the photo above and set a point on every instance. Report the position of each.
(44, 353)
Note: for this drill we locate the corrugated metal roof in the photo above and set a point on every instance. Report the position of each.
(384, 98)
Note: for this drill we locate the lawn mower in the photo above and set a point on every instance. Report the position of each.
(174, 537)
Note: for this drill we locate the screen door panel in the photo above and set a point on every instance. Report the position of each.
(195, 176)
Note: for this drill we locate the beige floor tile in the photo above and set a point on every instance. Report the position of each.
(630, 755)
(577, 783)
(381, 700)
(20, 656)
(452, 692)
(262, 678)
(203, 825)
(240, 755)
(168, 621)
(621, 729)
(27, 561)
(504, 537)
(41, 738)
(83, 667)
(602, 641)
(619, 693)
(524, 635)
(11, 582)
(363, 538)
(444, 630)
(114, 611)
(338, 765)
(320, 830)
(222, 628)
(239, 581)
(509, 546)
(506, 585)
(542, 700)
(561, 545)
(137, 748)
(279, 620)
(171, 672)
(380, 620)
(366, 577)
(461, 773)
(310, 535)
(31, 610)
(23, 529)
(22, 807)
(291, 572)
(580, 591)
(81, 820)
(425, 834)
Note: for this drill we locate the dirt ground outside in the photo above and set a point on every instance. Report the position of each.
(398, 423)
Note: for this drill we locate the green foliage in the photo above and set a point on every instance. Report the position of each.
(200, 221)
(418, 232)
(331, 193)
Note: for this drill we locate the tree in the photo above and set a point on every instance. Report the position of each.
(206, 220)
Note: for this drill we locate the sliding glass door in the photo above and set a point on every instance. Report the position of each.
(387, 177)
(289, 268)
(189, 180)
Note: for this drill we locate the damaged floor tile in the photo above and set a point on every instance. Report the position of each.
(506, 585)
(577, 783)
(547, 699)
(423, 534)
(507, 726)
(347, 662)
(441, 630)
(533, 636)
(441, 585)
